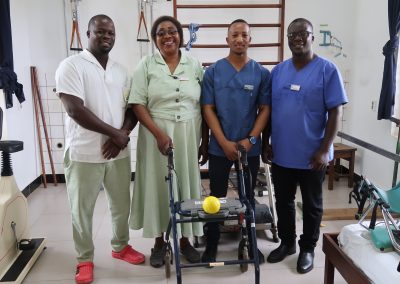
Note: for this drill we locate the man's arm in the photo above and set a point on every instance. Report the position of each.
(266, 154)
(321, 158)
(130, 120)
(109, 149)
(229, 147)
(84, 117)
(264, 112)
(205, 137)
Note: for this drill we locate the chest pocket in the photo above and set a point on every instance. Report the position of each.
(314, 99)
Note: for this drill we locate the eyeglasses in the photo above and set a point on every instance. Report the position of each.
(163, 33)
(303, 34)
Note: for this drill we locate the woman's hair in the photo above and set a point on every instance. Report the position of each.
(166, 19)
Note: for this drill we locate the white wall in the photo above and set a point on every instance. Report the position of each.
(372, 34)
(41, 31)
(19, 119)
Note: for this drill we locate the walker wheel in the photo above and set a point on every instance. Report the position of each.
(168, 262)
(244, 255)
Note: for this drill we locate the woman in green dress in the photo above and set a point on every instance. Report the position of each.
(165, 97)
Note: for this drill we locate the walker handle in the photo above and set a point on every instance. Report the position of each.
(170, 154)
(242, 155)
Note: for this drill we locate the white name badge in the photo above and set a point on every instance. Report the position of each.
(183, 79)
(294, 87)
(248, 87)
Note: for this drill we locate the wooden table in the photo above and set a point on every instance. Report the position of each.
(336, 258)
(345, 152)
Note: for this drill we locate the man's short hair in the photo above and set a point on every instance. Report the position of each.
(238, 21)
(301, 20)
(98, 17)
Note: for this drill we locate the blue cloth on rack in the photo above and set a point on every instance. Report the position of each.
(193, 28)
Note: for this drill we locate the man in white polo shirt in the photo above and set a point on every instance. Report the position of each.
(93, 90)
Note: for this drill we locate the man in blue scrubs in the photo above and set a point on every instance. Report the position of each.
(235, 106)
(306, 103)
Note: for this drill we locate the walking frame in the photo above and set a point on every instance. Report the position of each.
(190, 211)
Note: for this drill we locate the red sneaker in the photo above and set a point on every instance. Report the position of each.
(84, 273)
(129, 255)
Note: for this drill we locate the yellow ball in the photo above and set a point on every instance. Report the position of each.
(211, 205)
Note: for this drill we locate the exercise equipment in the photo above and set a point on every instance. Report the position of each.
(140, 36)
(18, 253)
(75, 28)
(266, 215)
(37, 103)
(389, 203)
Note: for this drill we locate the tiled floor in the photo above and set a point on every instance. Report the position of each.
(49, 217)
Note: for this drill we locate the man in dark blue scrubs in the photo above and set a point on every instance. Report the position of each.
(235, 106)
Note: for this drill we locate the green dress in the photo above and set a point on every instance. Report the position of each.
(173, 101)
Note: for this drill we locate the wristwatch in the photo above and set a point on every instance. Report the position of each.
(252, 139)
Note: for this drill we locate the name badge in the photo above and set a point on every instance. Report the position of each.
(248, 87)
(183, 79)
(294, 87)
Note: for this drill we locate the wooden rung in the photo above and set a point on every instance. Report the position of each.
(226, 46)
(261, 62)
(227, 25)
(224, 6)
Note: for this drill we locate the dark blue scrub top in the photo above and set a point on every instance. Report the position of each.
(236, 96)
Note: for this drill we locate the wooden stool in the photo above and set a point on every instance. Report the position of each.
(345, 152)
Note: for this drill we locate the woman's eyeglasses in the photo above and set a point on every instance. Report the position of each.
(303, 34)
(163, 33)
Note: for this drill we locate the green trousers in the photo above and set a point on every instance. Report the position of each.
(84, 181)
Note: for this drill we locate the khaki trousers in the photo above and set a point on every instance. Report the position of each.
(84, 181)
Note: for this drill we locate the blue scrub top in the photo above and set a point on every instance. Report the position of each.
(236, 96)
(300, 101)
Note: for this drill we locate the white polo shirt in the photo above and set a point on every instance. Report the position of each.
(104, 92)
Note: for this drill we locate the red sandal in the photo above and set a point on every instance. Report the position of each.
(84, 273)
(130, 255)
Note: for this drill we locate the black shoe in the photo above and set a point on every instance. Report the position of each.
(158, 255)
(281, 252)
(305, 262)
(190, 253)
(210, 254)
